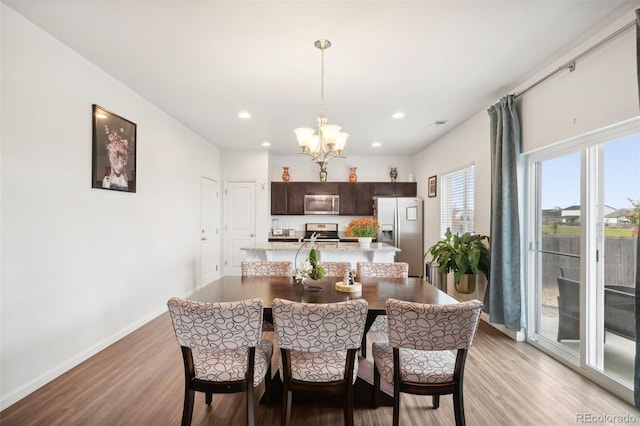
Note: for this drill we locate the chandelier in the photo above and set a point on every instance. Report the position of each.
(330, 141)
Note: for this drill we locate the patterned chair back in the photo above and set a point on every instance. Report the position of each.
(336, 269)
(216, 326)
(261, 268)
(432, 327)
(319, 327)
(383, 270)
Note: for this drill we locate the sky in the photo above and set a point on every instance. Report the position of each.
(561, 176)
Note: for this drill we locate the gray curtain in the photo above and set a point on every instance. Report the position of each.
(636, 387)
(502, 300)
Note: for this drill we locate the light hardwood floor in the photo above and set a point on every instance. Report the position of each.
(139, 381)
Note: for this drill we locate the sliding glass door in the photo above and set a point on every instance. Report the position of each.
(583, 200)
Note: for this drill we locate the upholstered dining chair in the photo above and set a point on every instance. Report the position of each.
(336, 269)
(382, 270)
(418, 358)
(221, 350)
(265, 268)
(318, 346)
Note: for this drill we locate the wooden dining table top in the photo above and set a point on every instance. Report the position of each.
(374, 290)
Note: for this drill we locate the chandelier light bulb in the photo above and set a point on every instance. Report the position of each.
(304, 135)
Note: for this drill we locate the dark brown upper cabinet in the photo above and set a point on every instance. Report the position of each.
(356, 198)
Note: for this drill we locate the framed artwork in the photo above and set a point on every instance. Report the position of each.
(432, 186)
(114, 151)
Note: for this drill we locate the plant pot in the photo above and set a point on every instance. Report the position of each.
(365, 241)
(467, 284)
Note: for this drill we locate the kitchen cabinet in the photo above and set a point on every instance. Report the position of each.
(356, 198)
(364, 198)
(383, 189)
(278, 198)
(395, 189)
(405, 189)
(295, 198)
(347, 192)
(321, 188)
(287, 198)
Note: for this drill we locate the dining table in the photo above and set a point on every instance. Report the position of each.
(375, 290)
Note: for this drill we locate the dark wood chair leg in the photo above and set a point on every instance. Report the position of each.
(267, 385)
(436, 401)
(458, 406)
(209, 398)
(396, 403)
(376, 387)
(187, 409)
(286, 406)
(348, 404)
(251, 415)
(396, 386)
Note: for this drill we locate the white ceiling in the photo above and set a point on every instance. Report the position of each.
(205, 61)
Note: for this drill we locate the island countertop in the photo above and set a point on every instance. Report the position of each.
(327, 252)
(321, 246)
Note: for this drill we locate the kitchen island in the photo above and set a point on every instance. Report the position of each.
(327, 252)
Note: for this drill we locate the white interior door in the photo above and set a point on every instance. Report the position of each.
(240, 223)
(210, 231)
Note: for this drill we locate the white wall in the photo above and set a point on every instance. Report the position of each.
(82, 267)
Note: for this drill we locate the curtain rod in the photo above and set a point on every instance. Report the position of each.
(571, 65)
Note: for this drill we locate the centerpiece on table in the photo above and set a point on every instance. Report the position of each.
(364, 229)
(310, 268)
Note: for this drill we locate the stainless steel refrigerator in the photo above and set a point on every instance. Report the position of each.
(401, 223)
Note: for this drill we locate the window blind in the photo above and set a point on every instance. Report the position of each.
(457, 201)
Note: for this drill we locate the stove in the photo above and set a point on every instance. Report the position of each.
(323, 231)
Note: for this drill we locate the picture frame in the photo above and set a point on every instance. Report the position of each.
(114, 151)
(433, 186)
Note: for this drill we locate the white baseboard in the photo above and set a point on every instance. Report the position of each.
(518, 336)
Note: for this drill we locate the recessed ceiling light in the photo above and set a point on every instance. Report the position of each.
(376, 144)
(439, 123)
(265, 143)
(398, 115)
(244, 114)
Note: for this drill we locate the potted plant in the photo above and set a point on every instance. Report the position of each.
(364, 229)
(464, 255)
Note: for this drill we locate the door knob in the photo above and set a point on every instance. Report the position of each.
(251, 235)
(204, 238)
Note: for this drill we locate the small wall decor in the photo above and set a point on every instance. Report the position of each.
(114, 151)
(432, 182)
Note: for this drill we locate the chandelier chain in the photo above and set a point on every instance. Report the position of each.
(322, 83)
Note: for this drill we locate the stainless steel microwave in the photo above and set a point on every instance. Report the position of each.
(321, 204)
